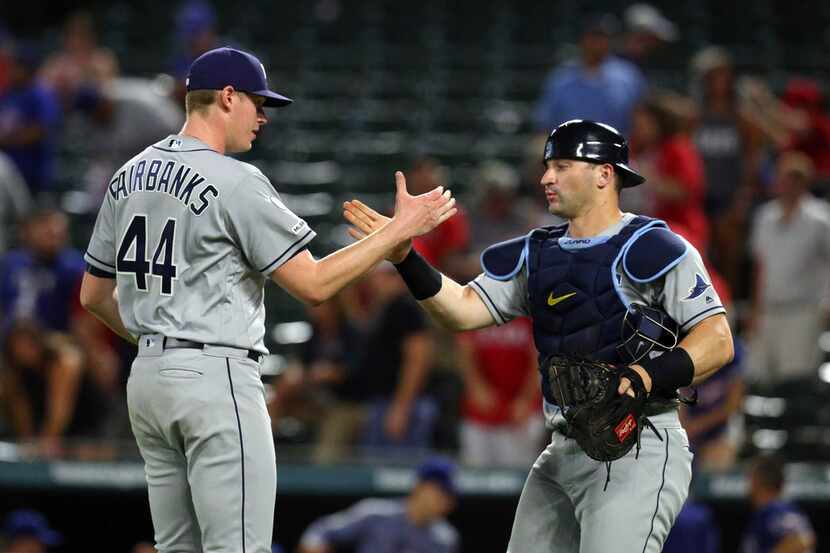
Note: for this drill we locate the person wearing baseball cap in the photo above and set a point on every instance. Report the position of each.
(235, 82)
(414, 524)
(29, 531)
(220, 231)
(222, 67)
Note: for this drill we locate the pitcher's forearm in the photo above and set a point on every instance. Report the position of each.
(339, 269)
(107, 313)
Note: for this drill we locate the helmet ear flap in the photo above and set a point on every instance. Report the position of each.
(645, 329)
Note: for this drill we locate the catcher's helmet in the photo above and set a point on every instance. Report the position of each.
(593, 142)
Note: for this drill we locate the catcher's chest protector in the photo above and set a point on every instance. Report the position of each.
(573, 301)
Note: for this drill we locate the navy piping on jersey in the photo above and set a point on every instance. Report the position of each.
(490, 301)
(683, 326)
(241, 449)
(96, 272)
(286, 252)
(99, 261)
(662, 483)
(185, 151)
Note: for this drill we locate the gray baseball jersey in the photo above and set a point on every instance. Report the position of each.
(192, 236)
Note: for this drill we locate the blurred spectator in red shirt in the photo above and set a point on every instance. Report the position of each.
(444, 246)
(5, 58)
(666, 155)
(738, 117)
(502, 405)
(805, 98)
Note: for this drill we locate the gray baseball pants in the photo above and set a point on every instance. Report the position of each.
(563, 507)
(201, 425)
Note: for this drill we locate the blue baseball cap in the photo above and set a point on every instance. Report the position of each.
(24, 522)
(218, 68)
(440, 471)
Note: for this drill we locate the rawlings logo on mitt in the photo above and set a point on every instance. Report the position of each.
(605, 424)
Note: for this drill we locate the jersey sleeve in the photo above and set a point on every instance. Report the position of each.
(688, 294)
(267, 232)
(100, 253)
(505, 300)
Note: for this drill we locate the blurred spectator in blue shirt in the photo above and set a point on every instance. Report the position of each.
(598, 86)
(40, 280)
(414, 524)
(719, 399)
(29, 115)
(694, 531)
(28, 531)
(777, 525)
(195, 35)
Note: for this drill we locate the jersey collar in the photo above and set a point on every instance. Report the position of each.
(182, 143)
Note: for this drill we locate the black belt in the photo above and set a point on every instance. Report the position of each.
(175, 343)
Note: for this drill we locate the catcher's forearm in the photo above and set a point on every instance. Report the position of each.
(457, 307)
(705, 349)
(710, 346)
(452, 306)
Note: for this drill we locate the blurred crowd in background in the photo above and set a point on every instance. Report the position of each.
(737, 164)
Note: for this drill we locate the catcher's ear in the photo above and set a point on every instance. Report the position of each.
(605, 175)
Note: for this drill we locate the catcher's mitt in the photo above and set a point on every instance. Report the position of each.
(604, 423)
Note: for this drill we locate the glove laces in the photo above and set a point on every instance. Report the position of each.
(644, 421)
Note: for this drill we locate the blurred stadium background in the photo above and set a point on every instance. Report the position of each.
(725, 106)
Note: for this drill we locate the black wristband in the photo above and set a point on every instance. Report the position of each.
(422, 279)
(670, 371)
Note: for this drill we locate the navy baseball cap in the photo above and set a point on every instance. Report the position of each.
(24, 522)
(218, 68)
(440, 471)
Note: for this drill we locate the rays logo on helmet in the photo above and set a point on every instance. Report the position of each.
(700, 286)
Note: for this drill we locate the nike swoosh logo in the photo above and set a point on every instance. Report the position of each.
(553, 301)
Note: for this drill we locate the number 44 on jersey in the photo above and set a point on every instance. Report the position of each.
(162, 264)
